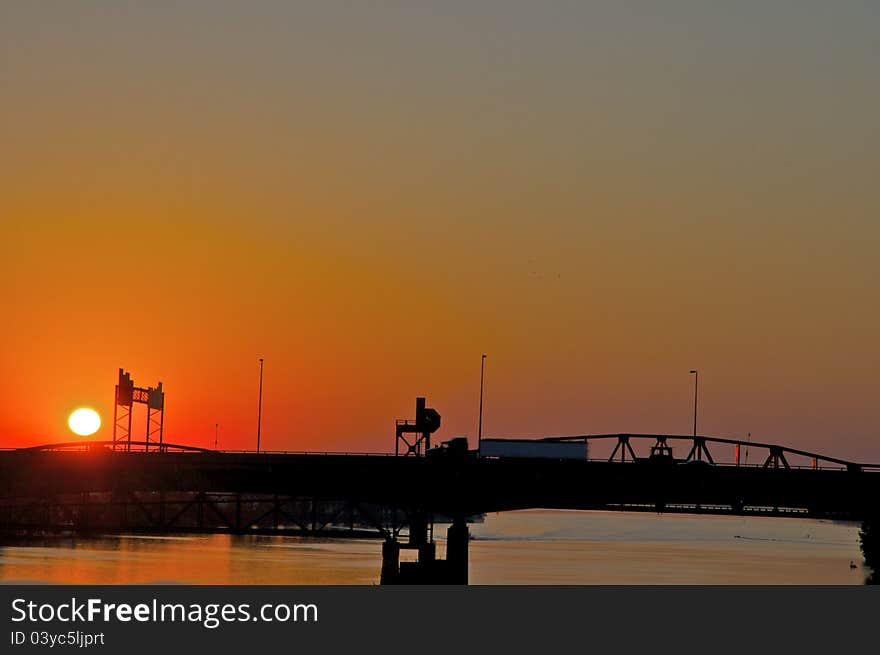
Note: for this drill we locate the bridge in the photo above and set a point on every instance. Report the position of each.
(90, 486)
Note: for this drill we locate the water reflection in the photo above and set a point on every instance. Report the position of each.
(530, 547)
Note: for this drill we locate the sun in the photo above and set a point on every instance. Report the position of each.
(84, 421)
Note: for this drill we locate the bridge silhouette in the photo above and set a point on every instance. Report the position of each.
(90, 486)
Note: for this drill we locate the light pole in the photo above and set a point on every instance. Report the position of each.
(480, 422)
(216, 434)
(696, 375)
(260, 406)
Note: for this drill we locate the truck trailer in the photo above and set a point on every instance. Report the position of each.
(533, 448)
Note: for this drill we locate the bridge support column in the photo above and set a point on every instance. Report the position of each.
(390, 562)
(457, 552)
(418, 531)
(427, 554)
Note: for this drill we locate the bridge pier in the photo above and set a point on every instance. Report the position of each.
(390, 562)
(457, 551)
(428, 569)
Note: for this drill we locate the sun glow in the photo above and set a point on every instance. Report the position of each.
(84, 421)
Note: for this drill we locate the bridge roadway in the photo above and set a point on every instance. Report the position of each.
(452, 485)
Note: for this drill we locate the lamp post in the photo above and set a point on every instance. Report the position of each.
(480, 421)
(260, 406)
(696, 375)
(216, 434)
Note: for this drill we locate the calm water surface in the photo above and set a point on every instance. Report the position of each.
(528, 547)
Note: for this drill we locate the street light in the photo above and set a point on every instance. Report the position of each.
(260, 406)
(480, 423)
(696, 375)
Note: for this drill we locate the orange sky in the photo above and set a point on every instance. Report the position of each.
(369, 199)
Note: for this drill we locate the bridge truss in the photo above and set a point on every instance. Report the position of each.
(773, 455)
(200, 512)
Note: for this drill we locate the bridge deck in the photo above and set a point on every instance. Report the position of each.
(273, 485)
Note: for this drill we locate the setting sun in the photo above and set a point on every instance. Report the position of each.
(84, 421)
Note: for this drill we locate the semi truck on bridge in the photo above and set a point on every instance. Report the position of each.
(532, 448)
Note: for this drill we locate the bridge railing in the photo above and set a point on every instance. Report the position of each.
(85, 446)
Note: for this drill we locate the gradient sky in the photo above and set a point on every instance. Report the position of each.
(600, 195)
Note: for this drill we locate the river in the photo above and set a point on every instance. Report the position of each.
(525, 547)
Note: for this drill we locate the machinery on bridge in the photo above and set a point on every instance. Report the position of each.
(427, 422)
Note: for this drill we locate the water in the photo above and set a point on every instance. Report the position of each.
(527, 547)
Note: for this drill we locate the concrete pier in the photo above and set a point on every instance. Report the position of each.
(428, 569)
(390, 562)
(457, 552)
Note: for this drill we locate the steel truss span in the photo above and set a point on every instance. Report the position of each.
(699, 450)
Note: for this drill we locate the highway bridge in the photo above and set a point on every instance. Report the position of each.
(91, 486)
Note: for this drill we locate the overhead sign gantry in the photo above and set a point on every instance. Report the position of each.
(126, 396)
